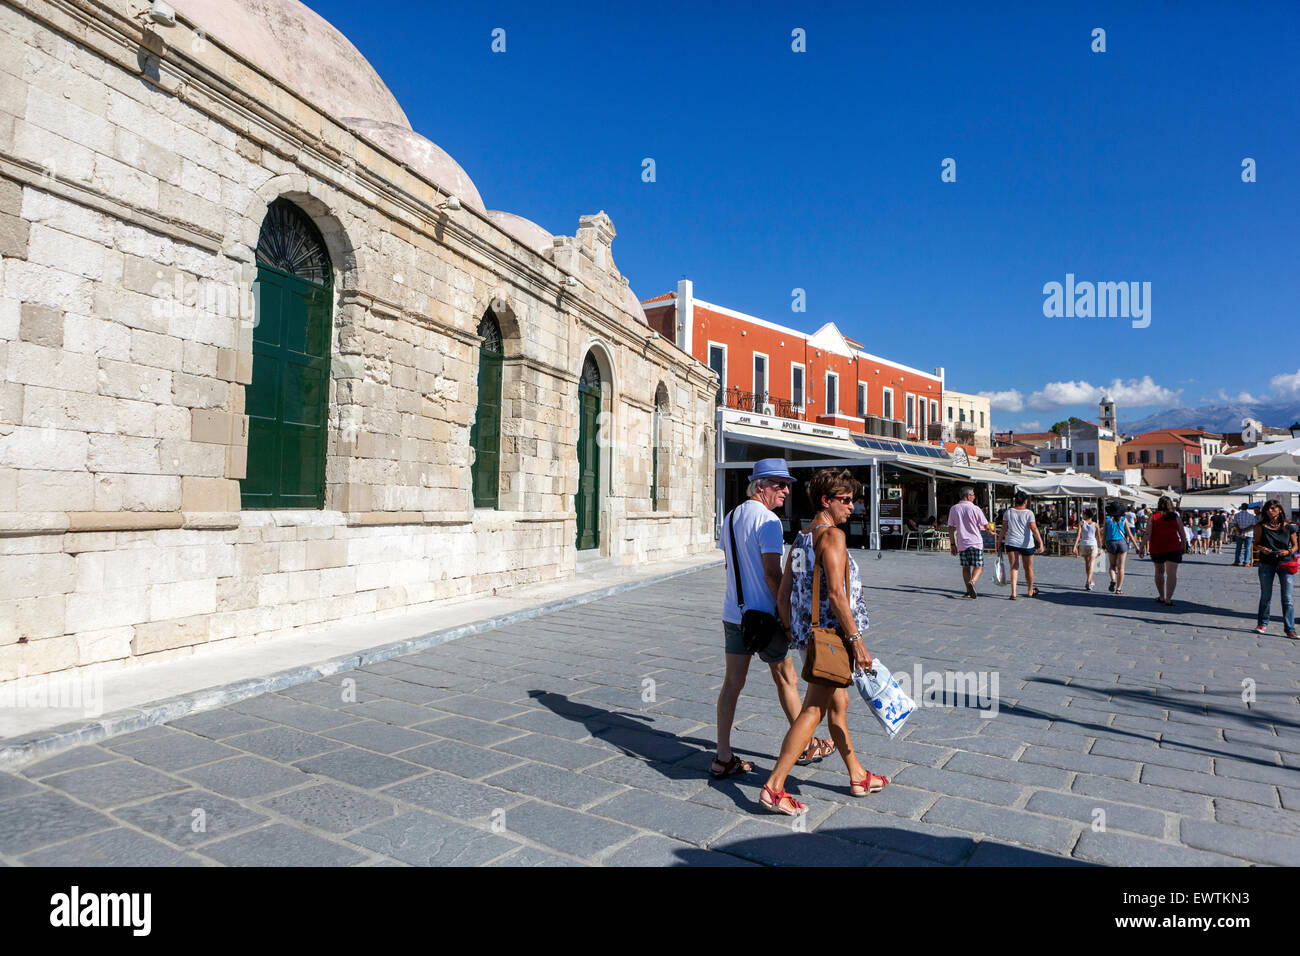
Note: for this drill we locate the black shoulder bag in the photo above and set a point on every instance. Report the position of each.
(758, 629)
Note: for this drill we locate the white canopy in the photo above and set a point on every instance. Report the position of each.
(1274, 458)
(1272, 486)
(1068, 485)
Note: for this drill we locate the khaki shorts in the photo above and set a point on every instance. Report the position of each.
(1087, 550)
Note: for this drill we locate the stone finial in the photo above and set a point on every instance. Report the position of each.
(595, 239)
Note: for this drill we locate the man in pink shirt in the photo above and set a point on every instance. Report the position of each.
(968, 522)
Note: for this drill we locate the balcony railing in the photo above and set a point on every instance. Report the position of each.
(940, 431)
(755, 402)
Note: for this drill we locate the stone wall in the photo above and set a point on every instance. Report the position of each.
(135, 169)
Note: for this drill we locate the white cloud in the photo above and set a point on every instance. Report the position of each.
(1142, 392)
(1060, 394)
(1008, 401)
(1135, 393)
(1034, 426)
(1286, 386)
(1242, 397)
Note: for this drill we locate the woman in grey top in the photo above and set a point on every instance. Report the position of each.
(1019, 533)
(1085, 543)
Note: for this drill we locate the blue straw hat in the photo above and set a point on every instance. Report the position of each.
(771, 468)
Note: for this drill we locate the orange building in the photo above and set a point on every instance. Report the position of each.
(823, 377)
(1168, 457)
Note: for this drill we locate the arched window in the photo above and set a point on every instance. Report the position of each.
(587, 501)
(287, 401)
(485, 434)
(658, 479)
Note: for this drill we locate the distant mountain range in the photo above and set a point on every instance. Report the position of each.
(1217, 418)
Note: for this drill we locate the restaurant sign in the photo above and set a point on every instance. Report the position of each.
(784, 424)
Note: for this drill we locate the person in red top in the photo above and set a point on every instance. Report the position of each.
(1164, 543)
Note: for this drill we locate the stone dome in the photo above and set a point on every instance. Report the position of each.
(633, 305)
(525, 230)
(300, 49)
(424, 156)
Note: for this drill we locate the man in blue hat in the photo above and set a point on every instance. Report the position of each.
(758, 549)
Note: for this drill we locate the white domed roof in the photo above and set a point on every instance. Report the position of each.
(423, 155)
(634, 305)
(525, 230)
(299, 48)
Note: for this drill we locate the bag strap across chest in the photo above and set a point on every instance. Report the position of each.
(817, 583)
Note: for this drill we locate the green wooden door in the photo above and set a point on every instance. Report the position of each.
(485, 434)
(587, 500)
(287, 400)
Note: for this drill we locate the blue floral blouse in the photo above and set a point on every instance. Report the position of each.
(801, 596)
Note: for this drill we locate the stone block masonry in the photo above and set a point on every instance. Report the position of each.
(130, 208)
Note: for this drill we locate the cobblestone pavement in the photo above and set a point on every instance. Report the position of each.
(544, 743)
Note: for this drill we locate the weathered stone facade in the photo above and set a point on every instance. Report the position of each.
(137, 163)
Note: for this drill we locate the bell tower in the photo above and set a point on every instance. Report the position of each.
(1106, 408)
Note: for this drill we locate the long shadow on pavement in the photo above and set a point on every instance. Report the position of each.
(673, 757)
(1156, 699)
(870, 846)
(1113, 731)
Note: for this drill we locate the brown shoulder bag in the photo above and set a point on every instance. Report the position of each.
(828, 659)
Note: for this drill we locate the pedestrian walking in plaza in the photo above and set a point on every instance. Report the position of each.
(831, 493)
(1164, 542)
(968, 522)
(759, 543)
(1203, 531)
(1218, 524)
(1243, 524)
(1276, 545)
(1019, 536)
(1118, 539)
(1086, 544)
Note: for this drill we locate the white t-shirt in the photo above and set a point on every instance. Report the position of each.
(758, 532)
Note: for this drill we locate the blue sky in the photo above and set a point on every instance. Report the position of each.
(820, 170)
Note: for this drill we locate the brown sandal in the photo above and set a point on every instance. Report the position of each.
(815, 751)
(729, 769)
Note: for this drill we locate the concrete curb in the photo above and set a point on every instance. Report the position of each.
(19, 752)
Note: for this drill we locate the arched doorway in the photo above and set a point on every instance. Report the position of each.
(587, 500)
(288, 400)
(485, 433)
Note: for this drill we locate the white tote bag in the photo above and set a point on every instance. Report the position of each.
(1001, 573)
(887, 700)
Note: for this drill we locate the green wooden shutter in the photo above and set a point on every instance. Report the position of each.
(485, 434)
(586, 502)
(287, 400)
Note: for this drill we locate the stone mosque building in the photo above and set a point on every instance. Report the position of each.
(270, 361)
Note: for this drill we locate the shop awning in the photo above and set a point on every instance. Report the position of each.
(839, 449)
(952, 470)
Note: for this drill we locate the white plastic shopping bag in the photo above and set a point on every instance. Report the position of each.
(887, 700)
(1001, 573)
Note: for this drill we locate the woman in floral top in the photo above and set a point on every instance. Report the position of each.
(831, 492)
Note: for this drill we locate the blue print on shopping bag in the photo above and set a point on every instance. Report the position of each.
(887, 700)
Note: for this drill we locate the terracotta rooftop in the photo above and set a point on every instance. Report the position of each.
(1163, 436)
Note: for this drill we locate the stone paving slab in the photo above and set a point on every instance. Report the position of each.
(1120, 738)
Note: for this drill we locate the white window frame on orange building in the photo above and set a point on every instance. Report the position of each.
(767, 376)
(836, 409)
(803, 385)
(887, 413)
(719, 345)
(911, 411)
(863, 408)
